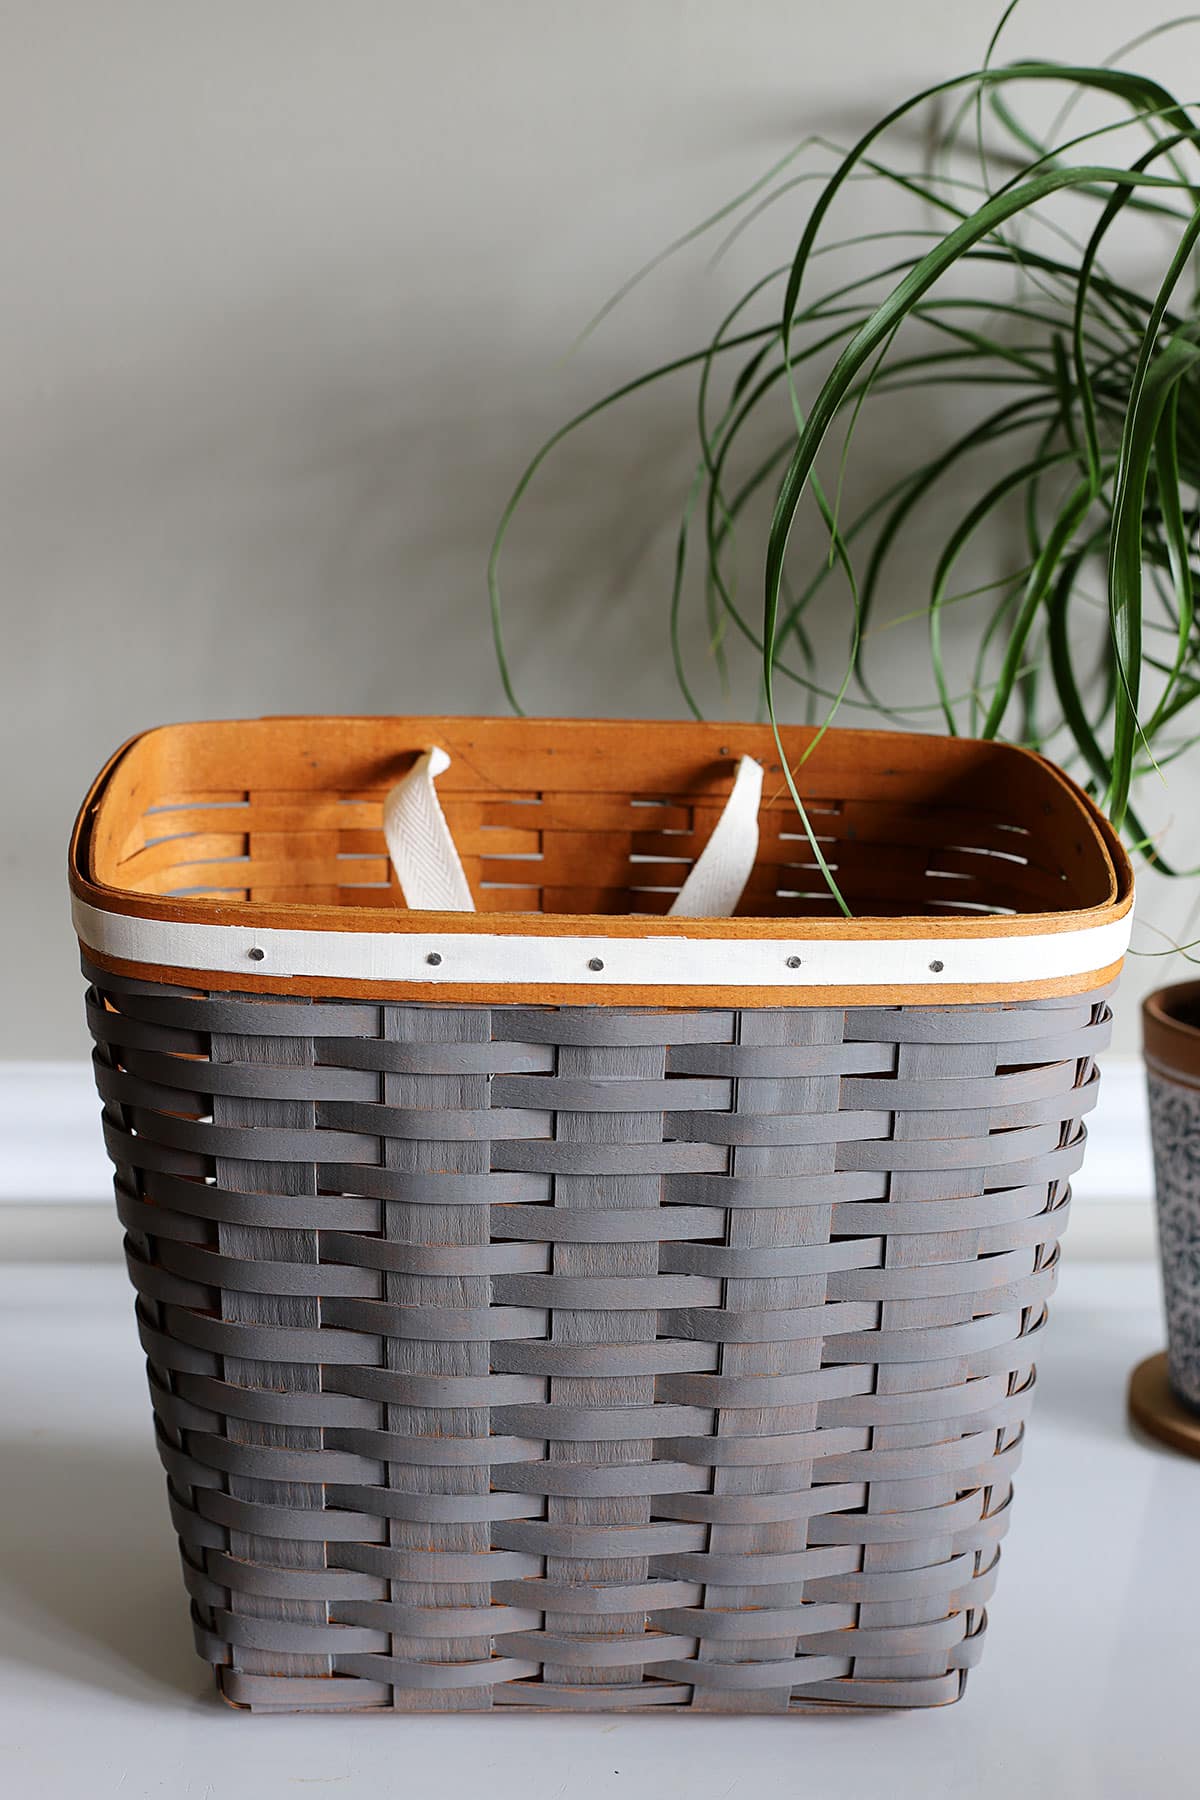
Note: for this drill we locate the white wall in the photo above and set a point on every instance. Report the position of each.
(288, 287)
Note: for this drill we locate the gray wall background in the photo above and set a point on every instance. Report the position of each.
(288, 294)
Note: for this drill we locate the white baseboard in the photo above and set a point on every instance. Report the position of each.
(56, 1190)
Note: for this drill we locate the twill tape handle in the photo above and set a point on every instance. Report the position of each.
(430, 871)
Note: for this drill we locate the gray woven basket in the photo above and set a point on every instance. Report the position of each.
(581, 1355)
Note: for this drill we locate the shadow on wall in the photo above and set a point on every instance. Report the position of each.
(290, 518)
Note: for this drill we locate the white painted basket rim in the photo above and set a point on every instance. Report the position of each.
(482, 958)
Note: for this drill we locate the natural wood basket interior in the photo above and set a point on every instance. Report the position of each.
(575, 817)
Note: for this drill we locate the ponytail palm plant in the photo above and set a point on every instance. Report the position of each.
(1077, 384)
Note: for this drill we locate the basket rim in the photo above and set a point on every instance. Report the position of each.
(124, 928)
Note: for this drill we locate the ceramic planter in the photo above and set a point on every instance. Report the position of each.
(1171, 1038)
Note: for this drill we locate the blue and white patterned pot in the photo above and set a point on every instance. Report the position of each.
(1171, 1036)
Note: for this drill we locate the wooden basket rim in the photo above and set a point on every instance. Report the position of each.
(388, 744)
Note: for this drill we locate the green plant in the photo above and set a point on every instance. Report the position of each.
(1008, 299)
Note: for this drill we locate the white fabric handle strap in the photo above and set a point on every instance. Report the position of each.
(430, 871)
(427, 864)
(722, 869)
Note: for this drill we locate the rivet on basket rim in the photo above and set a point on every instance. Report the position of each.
(434, 958)
(595, 964)
(937, 965)
(256, 954)
(793, 962)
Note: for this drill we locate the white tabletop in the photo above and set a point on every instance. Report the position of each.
(1088, 1685)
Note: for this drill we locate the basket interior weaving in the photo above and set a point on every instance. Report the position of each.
(583, 818)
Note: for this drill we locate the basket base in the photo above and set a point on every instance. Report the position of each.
(1154, 1405)
(939, 1694)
